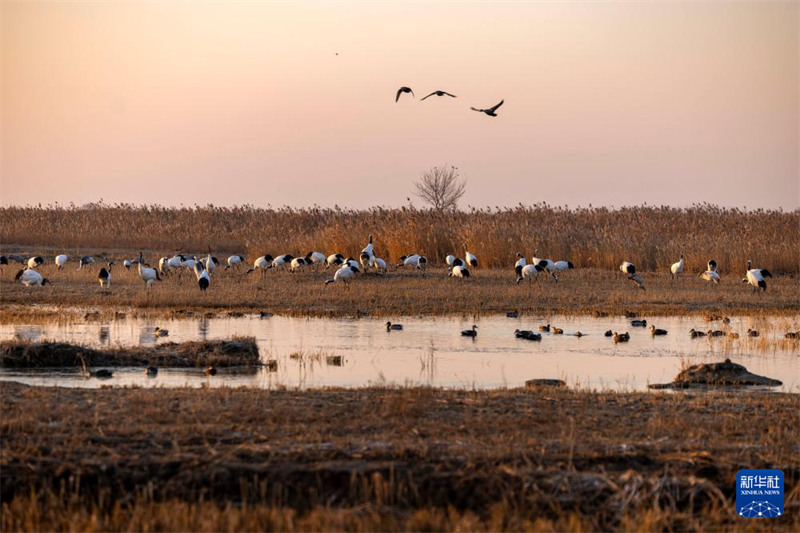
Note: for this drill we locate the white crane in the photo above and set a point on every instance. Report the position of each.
(546, 264)
(345, 274)
(298, 263)
(188, 262)
(148, 275)
(35, 261)
(315, 258)
(459, 271)
(521, 262)
(630, 269)
(203, 279)
(164, 266)
(711, 273)
(334, 260)
(419, 261)
(560, 266)
(104, 276)
(61, 260)
(262, 263)
(175, 261)
(30, 277)
(235, 261)
(281, 261)
(755, 277)
(380, 264)
(210, 262)
(470, 259)
(368, 249)
(676, 269)
(530, 272)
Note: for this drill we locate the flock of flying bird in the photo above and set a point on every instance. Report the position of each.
(347, 268)
(491, 111)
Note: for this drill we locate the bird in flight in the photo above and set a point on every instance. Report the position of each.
(402, 90)
(491, 110)
(440, 93)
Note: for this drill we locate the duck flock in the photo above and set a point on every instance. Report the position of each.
(346, 270)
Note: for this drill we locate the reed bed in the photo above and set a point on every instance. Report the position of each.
(592, 237)
(388, 459)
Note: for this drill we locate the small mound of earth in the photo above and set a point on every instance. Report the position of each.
(725, 374)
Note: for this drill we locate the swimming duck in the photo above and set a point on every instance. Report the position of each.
(470, 332)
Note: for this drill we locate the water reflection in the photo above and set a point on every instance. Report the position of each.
(104, 333)
(315, 352)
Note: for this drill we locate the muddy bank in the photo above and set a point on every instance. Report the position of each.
(724, 374)
(198, 354)
(509, 458)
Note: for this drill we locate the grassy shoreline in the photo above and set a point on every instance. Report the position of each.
(388, 459)
(587, 291)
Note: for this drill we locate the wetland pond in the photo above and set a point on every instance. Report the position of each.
(323, 352)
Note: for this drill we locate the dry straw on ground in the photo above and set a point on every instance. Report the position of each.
(582, 292)
(388, 459)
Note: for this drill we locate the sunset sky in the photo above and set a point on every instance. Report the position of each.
(608, 103)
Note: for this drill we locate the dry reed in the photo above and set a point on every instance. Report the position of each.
(651, 237)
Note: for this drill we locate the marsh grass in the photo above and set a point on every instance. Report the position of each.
(388, 459)
(651, 237)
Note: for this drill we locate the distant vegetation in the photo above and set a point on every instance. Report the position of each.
(650, 237)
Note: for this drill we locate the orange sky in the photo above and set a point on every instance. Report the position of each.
(609, 103)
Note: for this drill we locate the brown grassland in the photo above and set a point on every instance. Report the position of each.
(596, 240)
(401, 292)
(388, 459)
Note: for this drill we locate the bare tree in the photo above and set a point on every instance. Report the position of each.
(441, 187)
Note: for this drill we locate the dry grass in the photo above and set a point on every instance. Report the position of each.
(198, 354)
(650, 237)
(401, 292)
(388, 459)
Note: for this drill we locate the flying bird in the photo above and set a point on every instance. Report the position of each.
(402, 90)
(440, 93)
(490, 111)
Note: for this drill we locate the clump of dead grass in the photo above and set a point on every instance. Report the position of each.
(220, 353)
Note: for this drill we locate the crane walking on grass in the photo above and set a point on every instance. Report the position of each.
(104, 276)
(148, 275)
(30, 277)
(676, 269)
(711, 273)
(344, 274)
(755, 277)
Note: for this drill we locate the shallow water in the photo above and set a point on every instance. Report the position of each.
(431, 351)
